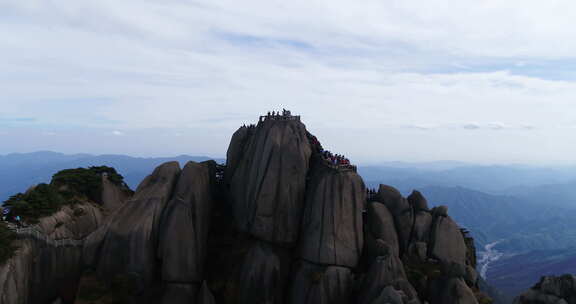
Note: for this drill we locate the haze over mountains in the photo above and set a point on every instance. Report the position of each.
(530, 212)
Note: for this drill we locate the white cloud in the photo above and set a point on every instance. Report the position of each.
(382, 69)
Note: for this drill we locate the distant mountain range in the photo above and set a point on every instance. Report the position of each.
(19, 171)
(539, 184)
(520, 225)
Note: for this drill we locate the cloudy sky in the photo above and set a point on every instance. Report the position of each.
(486, 81)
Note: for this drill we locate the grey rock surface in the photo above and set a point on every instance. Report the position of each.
(332, 226)
(184, 226)
(388, 295)
(386, 270)
(418, 201)
(268, 179)
(41, 271)
(264, 275)
(447, 243)
(551, 289)
(380, 224)
(402, 212)
(113, 196)
(455, 291)
(127, 243)
(316, 284)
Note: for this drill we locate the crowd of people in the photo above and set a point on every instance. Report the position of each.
(329, 157)
(371, 193)
(276, 115)
(12, 219)
(335, 159)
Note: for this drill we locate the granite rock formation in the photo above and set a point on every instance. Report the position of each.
(157, 240)
(48, 263)
(267, 179)
(550, 289)
(279, 224)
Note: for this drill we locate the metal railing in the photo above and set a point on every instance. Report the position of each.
(278, 117)
(341, 167)
(33, 232)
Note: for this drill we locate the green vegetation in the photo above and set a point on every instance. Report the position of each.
(7, 248)
(68, 187)
(86, 182)
(42, 200)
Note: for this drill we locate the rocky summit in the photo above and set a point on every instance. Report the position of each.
(283, 222)
(551, 290)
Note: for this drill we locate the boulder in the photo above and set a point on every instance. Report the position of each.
(129, 239)
(317, 284)
(440, 211)
(332, 232)
(421, 228)
(422, 218)
(418, 201)
(113, 196)
(453, 291)
(380, 224)
(402, 212)
(179, 293)
(264, 275)
(447, 243)
(268, 179)
(386, 270)
(418, 251)
(183, 229)
(389, 295)
(551, 289)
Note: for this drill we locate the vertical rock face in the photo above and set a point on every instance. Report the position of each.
(42, 270)
(402, 212)
(380, 224)
(386, 271)
(267, 179)
(264, 275)
(131, 236)
(550, 289)
(455, 291)
(16, 275)
(183, 230)
(157, 242)
(332, 226)
(236, 150)
(422, 218)
(317, 284)
(113, 196)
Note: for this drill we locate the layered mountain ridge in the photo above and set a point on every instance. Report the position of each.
(278, 224)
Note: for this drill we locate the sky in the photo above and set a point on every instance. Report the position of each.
(485, 81)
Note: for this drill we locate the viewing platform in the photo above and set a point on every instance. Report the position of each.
(285, 116)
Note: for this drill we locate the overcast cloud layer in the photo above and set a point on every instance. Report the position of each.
(481, 81)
